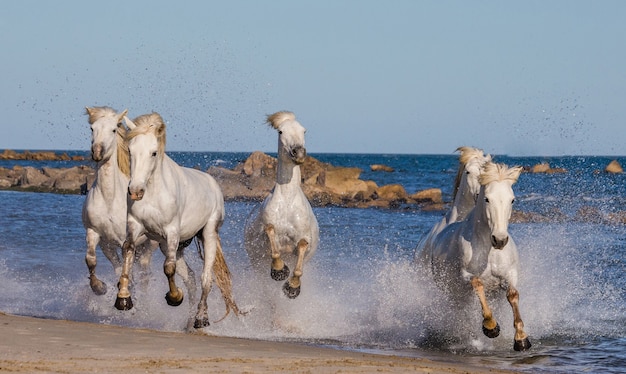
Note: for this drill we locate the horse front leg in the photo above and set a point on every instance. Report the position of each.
(490, 327)
(124, 300)
(97, 286)
(175, 295)
(521, 341)
(292, 287)
(279, 270)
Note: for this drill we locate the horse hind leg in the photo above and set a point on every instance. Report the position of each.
(291, 288)
(490, 326)
(279, 270)
(188, 275)
(144, 258)
(521, 341)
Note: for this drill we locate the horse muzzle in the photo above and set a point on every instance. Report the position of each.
(298, 154)
(96, 152)
(499, 243)
(136, 194)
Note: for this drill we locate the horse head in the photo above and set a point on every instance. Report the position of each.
(496, 199)
(146, 144)
(472, 161)
(290, 136)
(107, 131)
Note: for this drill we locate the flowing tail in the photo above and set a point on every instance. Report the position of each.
(224, 282)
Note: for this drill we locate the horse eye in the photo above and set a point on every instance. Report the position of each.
(486, 199)
(467, 172)
(154, 154)
(280, 132)
(114, 131)
(513, 201)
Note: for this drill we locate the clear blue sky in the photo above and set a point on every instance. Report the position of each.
(519, 78)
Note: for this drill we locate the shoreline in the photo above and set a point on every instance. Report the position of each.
(31, 344)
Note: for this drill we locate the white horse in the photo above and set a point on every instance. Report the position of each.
(284, 225)
(479, 251)
(466, 188)
(104, 209)
(172, 205)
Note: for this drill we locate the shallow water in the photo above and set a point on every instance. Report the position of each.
(362, 291)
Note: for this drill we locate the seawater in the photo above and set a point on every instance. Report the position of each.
(362, 290)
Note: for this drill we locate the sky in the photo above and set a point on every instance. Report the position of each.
(536, 78)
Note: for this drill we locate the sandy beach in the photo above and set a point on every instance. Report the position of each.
(55, 346)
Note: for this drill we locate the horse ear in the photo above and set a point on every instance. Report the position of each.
(160, 131)
(89, 110)
(131, 125)
(122, 115)
(488, 158)
(515, 172)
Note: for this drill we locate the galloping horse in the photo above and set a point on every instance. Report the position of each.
(284, 223)
(479, 251)
(104, 209)
(172, 205)
(466, 188)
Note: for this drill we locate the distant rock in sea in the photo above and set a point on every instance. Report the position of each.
(614, 167)
(379, 167)
(545, 167)
(9, 154)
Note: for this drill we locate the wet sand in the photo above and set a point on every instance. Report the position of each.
(30, 345)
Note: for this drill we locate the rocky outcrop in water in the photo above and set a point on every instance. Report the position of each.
(324, 184)
(58, 180)
(9, 154)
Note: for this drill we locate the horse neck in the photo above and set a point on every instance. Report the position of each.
(463, 202)
(109, 178)
(163, 171)
(479, 224)
(288, 176)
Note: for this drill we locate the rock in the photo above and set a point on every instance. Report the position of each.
(527, 217)
(9, 154)
(540, 168)
(432, 195)
(71, 179)
(379, 167)
(37, 156)
(544, 167)
(614, 167)
(31, 177)
(617, 217)
(343, 181)
(391, 192)
(589, 214)
(260, 164)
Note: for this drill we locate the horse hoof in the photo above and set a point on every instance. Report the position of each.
(291, 292)
(124, 303)
(522, 345)
(172, 301)
(280, 275)
(99, 289)
(492, 333)
(201, 322)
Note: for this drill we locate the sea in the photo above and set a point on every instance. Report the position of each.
(362, 290)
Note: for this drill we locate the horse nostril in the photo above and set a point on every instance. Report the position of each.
(499, 243)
